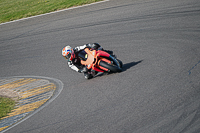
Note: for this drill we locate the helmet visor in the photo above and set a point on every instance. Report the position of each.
(68, 54)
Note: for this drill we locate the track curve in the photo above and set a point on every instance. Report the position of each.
(158, 89)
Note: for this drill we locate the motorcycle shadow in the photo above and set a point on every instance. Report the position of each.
(129, 65)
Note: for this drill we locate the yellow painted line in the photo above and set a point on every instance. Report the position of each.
(17, 83)
(6, 81)
(38, 90)
(1, 129)
(26, 108)
(35, 84)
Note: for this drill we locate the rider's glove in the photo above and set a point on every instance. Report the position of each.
(76, 49)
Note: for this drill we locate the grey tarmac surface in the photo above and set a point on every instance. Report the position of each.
(158, 90)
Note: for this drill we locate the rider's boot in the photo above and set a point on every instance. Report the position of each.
(87, 75)
(90, 74)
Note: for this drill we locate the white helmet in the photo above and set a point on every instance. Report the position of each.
(66, 52)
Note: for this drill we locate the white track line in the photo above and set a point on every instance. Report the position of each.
(54, 12)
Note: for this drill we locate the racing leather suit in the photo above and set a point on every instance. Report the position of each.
(75, 64)
(74, 61)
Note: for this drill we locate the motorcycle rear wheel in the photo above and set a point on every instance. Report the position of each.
(120, 63)
(111, 67)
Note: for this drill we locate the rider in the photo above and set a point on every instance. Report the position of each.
(74, 62)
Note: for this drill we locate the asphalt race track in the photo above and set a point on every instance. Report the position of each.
(158, 90)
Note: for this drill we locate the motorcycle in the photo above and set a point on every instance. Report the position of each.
(100, 61)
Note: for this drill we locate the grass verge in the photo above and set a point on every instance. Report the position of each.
(6, 105)
(17, 9)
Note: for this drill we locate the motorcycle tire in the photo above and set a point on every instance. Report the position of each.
(111, 67)
(120, 63)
